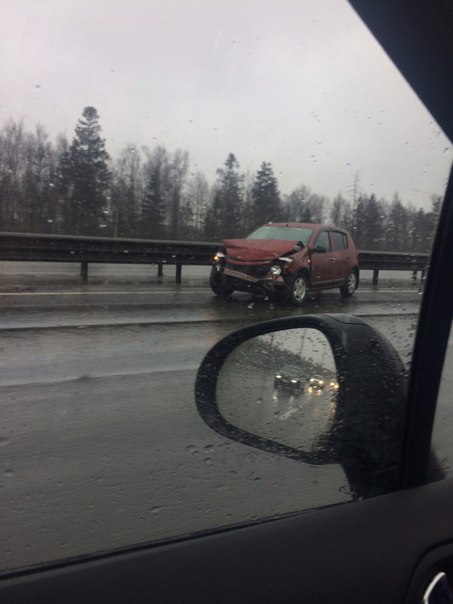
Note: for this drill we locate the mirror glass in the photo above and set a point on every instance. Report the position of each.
(282, 386)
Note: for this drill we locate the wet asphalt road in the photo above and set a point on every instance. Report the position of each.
(100, 443)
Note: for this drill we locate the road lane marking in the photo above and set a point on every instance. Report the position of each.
(288, 414)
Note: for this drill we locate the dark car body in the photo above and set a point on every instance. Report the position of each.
(293, 259)
(290, 378)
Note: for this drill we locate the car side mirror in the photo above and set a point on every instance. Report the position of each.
(318, 389)
(297, 248)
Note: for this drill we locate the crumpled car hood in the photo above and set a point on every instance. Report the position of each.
(249, 250)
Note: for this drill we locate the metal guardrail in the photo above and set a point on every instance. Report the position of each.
(393, 261)
(104, 250)
(85, 250)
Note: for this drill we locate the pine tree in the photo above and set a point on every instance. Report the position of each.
(224, 217)
(368, 222)
(86, 177)
(265, 196)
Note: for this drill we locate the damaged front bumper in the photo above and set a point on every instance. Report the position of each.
(253, 278)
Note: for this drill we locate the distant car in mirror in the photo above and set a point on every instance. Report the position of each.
(316, 383)
(289, 377)
(334, 385)
(290, 260)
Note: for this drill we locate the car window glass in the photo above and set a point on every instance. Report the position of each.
(323, 240)
(286, 233)
(186, 124)
(340, 240)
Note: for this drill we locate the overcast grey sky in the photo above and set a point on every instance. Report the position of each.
(300, 84)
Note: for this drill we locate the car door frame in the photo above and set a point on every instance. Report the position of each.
(321, 262)
(366, 551)
(344, 257)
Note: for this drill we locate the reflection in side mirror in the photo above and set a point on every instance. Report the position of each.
(317, 388)
(281, 386)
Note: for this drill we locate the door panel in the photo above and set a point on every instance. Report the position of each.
(344, 256)
(361, 552)
(322, 263)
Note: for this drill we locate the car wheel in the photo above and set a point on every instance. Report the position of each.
(298, 290)
(219, 284)
(350, 285)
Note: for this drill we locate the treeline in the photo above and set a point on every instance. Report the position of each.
(75, 188)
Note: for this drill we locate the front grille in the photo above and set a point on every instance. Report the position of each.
(254, 271)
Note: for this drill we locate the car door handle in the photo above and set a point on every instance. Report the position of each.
(438, 591)
(332, 259)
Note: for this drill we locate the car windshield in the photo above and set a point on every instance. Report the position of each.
(291, 370)
(282, 233)
(134, 138)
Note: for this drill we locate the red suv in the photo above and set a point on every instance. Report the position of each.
(292, 259)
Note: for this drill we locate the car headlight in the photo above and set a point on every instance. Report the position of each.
(293, 381)
(276, 269)
(278, 376)
(286, 259)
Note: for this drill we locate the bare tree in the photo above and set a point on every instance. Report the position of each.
(127, 190)
(197, 199)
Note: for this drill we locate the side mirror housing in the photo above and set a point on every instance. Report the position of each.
(337, 367)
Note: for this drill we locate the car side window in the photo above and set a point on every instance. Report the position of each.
(340, 240)
(323, 240)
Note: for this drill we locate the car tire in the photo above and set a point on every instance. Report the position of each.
(350, 285)
(298, 289)
(219, 284)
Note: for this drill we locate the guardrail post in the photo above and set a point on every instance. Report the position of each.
(414, 275)
(178, 273)
(375, 277)
(160, 269)
(84, 271)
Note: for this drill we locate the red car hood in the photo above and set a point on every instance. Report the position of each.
(249, 250)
